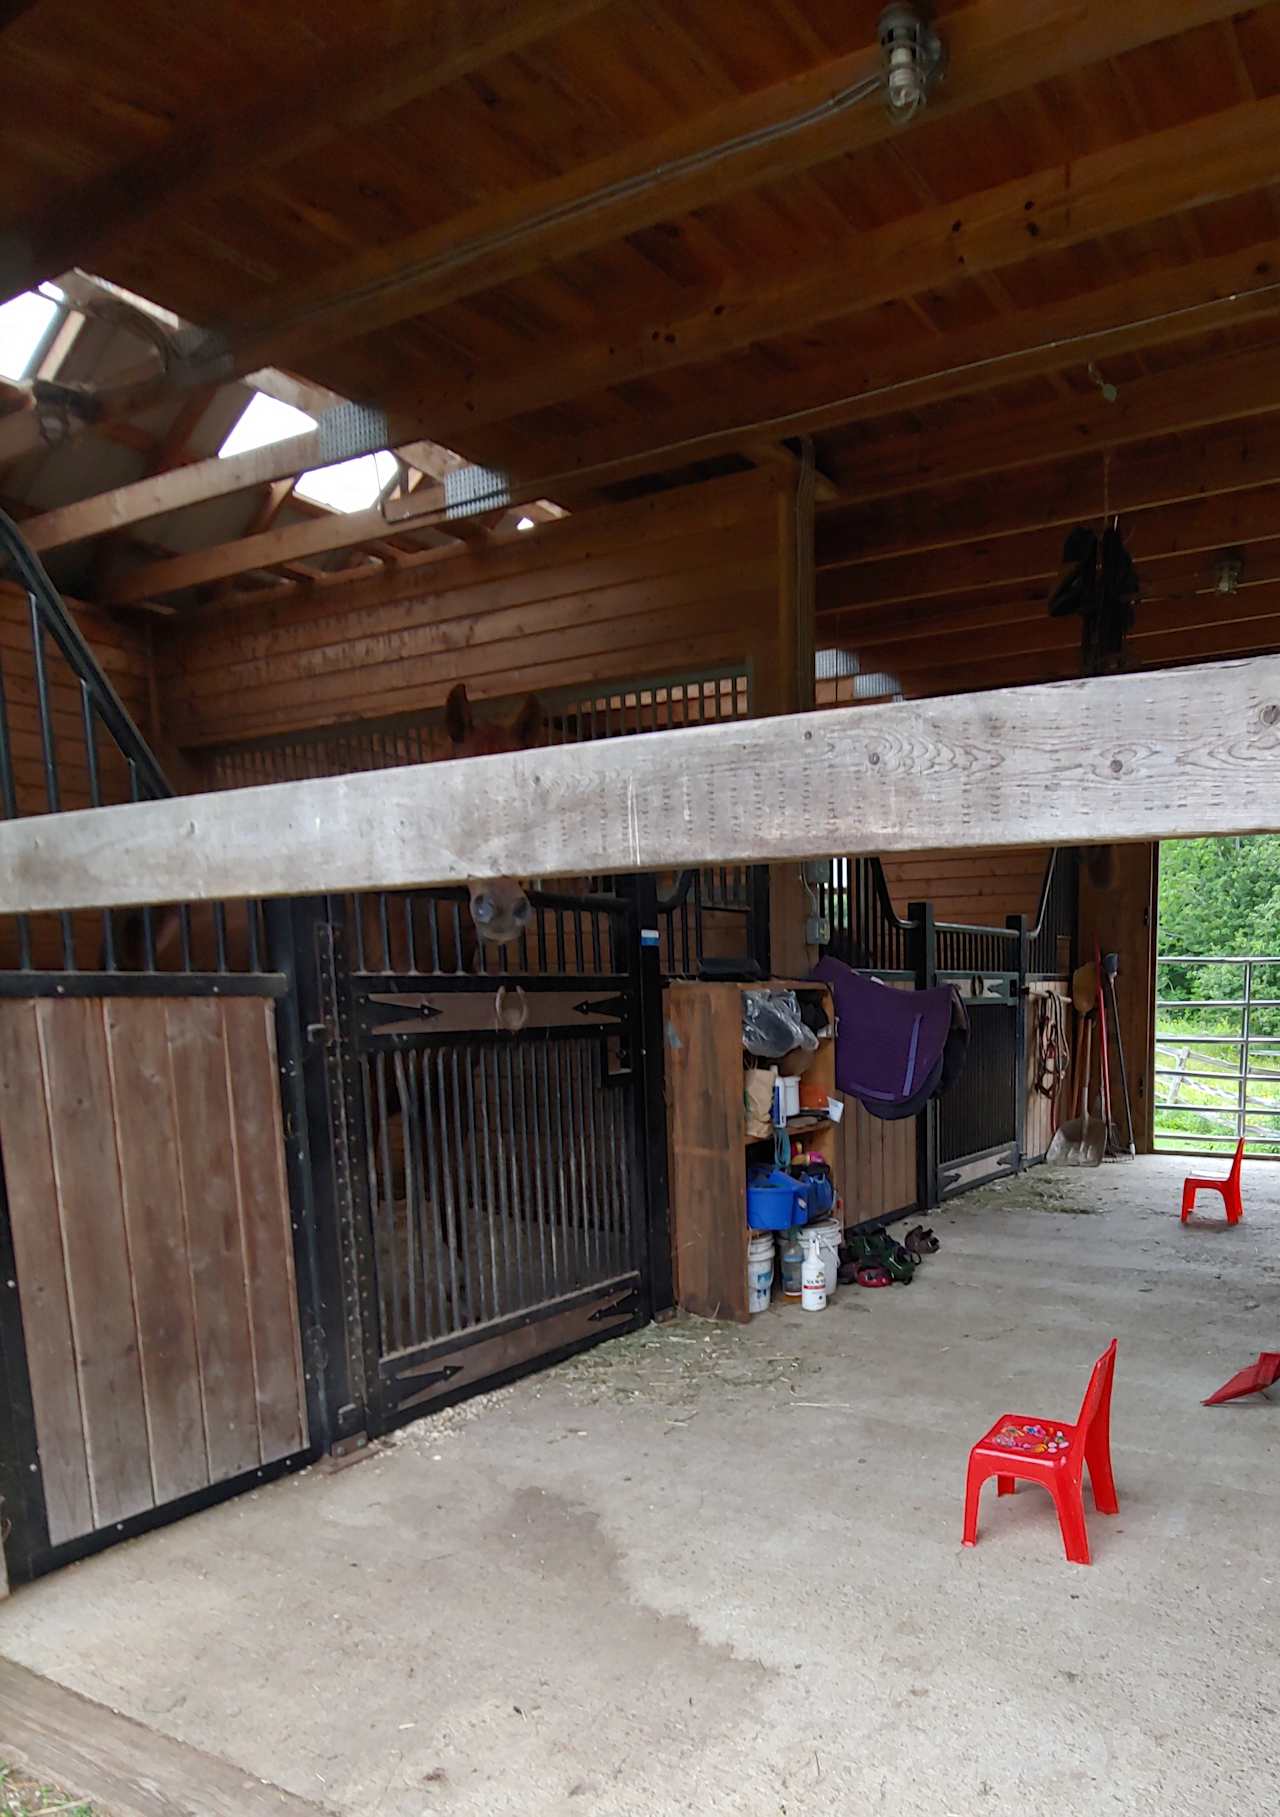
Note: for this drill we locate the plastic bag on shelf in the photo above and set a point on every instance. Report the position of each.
(773, 1026)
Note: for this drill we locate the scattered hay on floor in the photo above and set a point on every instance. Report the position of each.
(422, 1433)
(24, 1797)
(675, 1363)
(1071, 1191)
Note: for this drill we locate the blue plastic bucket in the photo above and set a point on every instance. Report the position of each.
(775, 1201)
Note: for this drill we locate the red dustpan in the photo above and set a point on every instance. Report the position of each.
(1252, 1380)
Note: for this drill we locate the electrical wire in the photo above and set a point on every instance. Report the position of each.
(582, 207)
(794, 422)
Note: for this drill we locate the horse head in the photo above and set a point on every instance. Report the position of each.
(500, 908)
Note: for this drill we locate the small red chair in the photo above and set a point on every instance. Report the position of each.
(1229, 1188)
(1053, 1454)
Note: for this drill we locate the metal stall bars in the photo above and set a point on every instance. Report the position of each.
(976, 1131)
(488, 1141)
(979, 1120)
(150, 1345)
(712, 922)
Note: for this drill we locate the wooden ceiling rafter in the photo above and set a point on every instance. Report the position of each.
(997, 48)
(1207, 393)
(994, 48)
(1220, 156)
(1193, 396)
(1155, 309)
(346, 86)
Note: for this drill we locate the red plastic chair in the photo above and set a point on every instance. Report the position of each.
(1229, 1188)
(1053, 1454)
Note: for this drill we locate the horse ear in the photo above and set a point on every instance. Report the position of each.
(529, 723)
(457, 714)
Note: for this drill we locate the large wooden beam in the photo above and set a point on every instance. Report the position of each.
(995, 48)
(338, 436)
(1218, 156)
(268, 549)
(1172, 754)
(313, 103)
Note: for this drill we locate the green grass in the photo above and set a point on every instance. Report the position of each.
(1207, 1106)
(23, 1797)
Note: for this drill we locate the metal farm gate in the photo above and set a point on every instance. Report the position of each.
(491, 1140)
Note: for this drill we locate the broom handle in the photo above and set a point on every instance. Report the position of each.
(1102, 1041)
(1088, 1045)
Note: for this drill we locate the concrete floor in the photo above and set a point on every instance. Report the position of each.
(715, 1570)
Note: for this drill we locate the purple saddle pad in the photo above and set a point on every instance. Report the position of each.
(889, 1043)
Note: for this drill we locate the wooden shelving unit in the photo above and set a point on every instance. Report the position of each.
(710, 1147)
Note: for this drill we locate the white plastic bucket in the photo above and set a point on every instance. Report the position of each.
(759, 1273)
(813, 1274)
(827, 1233)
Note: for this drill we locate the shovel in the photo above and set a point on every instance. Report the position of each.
(1082, 1141)
(1084, 989)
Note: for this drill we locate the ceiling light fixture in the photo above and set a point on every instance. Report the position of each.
(913, 59)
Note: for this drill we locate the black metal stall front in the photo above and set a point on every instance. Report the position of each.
(978, 1120)
(490, 1133)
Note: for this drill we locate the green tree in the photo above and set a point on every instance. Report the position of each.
(1220, 896)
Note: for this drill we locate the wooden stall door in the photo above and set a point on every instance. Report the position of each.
(144, 1171)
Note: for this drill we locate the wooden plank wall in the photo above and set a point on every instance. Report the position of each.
(875, 1163)
(676, 583)
(121, 648)
(144, 1167)
(979, 888)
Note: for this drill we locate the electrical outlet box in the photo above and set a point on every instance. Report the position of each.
(817, 870)
(817, 931)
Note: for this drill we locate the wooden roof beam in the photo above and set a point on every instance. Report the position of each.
(199, 482)
(1238, 385)
(1220, 155)
(994, 48)
(347, 86)
(1156, 309)
(269, 548)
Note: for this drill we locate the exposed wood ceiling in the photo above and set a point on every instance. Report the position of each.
(567, 238)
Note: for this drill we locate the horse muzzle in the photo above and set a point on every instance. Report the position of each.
(500, 910)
